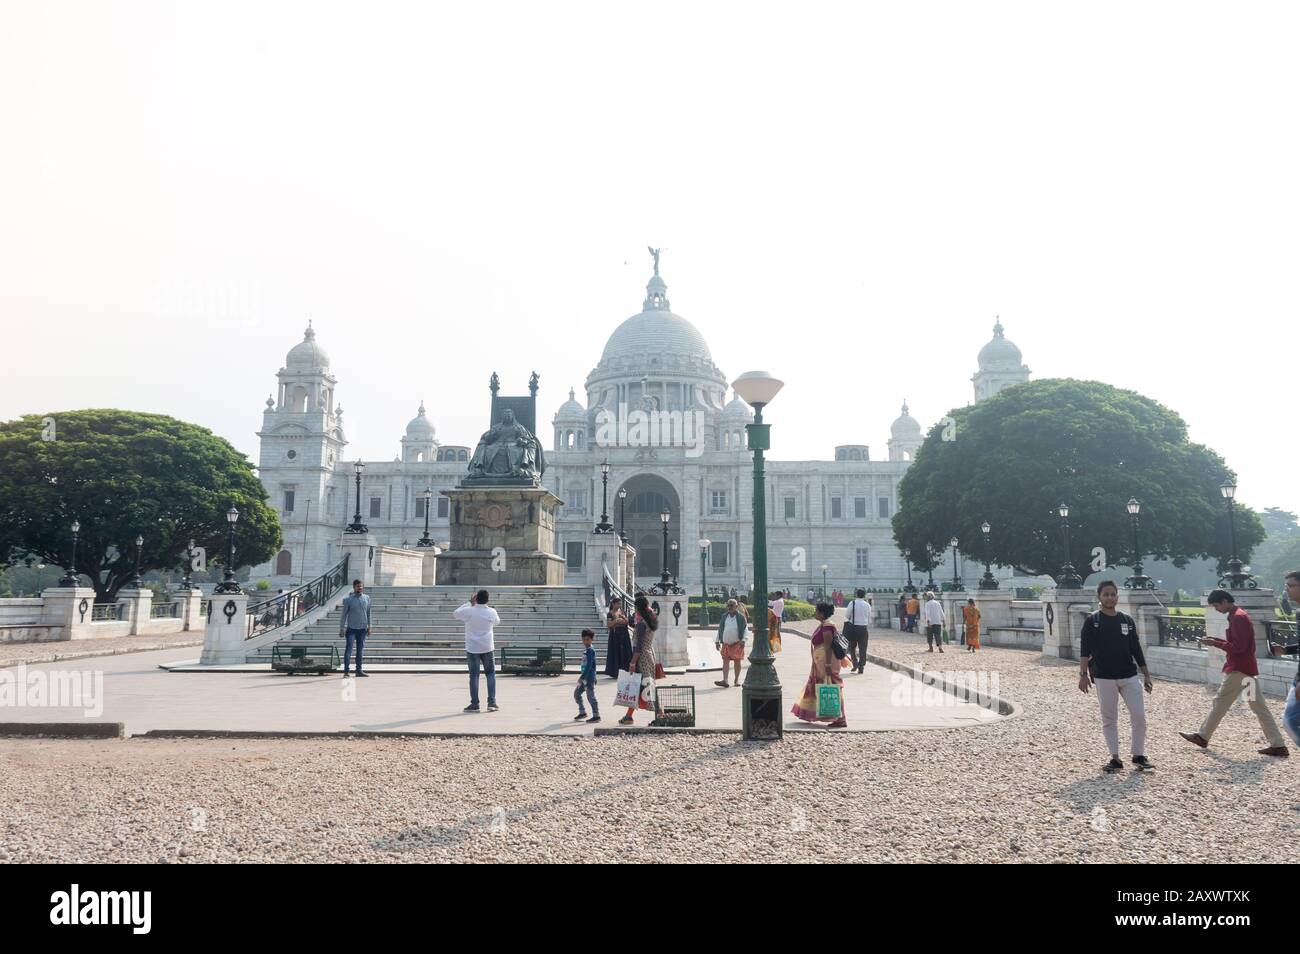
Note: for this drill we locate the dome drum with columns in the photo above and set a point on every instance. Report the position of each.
(656, 366)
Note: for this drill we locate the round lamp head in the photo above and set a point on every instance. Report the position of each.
(1063, 510)
(604, 468)
(757, 388)
(232, 515)
(358, 466)
(674, 544)
(985, 528)
(1133, 506)
(1229, 490)
(427, 493)
(622, 493)
(825, 567)
(953, 543)
(139, 540)
(704, 543)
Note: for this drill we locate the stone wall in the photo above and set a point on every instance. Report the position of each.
(395, 566)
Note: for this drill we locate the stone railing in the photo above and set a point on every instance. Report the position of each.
(66, 613)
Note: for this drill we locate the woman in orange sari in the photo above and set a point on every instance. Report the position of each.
(825, 669)
(971, 614)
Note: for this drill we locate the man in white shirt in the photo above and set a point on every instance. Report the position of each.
(932, 613)
(479, 618)
(857, 617)
(778, 605)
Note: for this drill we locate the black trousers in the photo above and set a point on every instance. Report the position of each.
(857, 635)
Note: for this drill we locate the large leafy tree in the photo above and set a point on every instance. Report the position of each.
(123, 474)
(1013, 458)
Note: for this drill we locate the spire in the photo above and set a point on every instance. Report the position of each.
(997, 327)
(904, 407)
(570, 394)
(310, 333)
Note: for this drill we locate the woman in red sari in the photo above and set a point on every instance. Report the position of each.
(825, 668)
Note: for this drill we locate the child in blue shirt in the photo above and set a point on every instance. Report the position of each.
(587, 680)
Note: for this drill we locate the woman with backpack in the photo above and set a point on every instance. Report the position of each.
(828, 652)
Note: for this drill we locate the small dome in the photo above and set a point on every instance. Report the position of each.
(905, 426)
(999, 353)
(737, 410)
(420, 428)
(307, 355)
(571, 410)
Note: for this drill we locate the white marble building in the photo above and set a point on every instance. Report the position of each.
(658, 411)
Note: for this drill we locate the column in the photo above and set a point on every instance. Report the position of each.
(673, 633)
(227, 625)
(137, 606)
(360, 548)
(1064, 610)
(1144, 606)
(191, 603)
(70, 609)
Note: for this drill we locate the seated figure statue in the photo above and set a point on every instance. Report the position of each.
(507, 451)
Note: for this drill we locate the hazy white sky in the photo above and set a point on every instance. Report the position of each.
(846, 196)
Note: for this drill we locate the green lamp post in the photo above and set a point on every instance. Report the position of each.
(704, 581)
(761, 694)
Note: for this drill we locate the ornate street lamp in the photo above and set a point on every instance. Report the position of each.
(356, 526)
(70, 578)
(138, 582)
(186, 582)
(1237, 577)
(761, 693)
(929, 574)
(704, 581)
(911, 587)
(230, 584)
(824, 569)
(664, 581)
(622, 499)
(604, 526)
(1068, 578)
(427, 496)
(957, 585)
(1138, 581)
(988, 581)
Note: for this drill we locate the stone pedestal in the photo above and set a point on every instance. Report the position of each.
(227, 625)
(191, 603)
(360, 548)
(952, 602)
(136, 606)
(70, 608)
(995, 608)
(429, 571)
(501, 536)
(1144, 606)
(1063, 613)
(604, 552)
(671, 639)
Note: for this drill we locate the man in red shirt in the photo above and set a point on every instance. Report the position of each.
(1240, 673)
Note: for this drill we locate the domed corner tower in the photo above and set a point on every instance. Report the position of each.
(420, 442)
(654, 361)
(904, 437)
(999, 366)
(570, 423)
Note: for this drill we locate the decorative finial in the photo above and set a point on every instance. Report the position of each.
(494, 384)
(421, 412)
(997, 327)
(310, 333)
(270, 402)
(570, 394)
(904, 406)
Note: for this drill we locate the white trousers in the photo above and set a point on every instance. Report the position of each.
(1108, 693)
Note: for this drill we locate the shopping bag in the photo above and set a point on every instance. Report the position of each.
(829, 702)
(629, 689)
(646, 699)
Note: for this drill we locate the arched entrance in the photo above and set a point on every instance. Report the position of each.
(647, 496)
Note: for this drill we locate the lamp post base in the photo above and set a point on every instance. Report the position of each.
(761, 712)
(1069, 579)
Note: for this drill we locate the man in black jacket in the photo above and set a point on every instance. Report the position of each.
(1109, 657)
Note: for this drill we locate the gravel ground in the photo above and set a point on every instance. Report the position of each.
(1027, 788)
(11, 654)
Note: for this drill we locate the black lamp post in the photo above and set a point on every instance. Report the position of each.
(356, 526)
(911, 587)
(704, 582)
(604, 526)
(957, 585)
(1068, 578)
(1138, 581)
(676, 564)
(622, 500)
(70, 578)
(186, 582)
(230, 584)
(137, 582)
(664, 581)
(427, 496)
(1236, 578)
(987, 581)
(929, 574)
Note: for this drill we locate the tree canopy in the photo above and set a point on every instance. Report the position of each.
(123, 474)
(1013, 458)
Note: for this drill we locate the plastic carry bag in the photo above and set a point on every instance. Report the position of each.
(629, 689)
(830, 704)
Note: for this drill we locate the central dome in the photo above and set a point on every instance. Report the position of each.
(655, 332)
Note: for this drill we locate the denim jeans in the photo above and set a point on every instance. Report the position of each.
(489, 667)
(359, 636)
(590, 689)
(1291, 714)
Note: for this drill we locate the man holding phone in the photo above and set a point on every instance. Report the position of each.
(1110, 656)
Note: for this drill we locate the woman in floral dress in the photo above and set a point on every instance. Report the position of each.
(825, 668)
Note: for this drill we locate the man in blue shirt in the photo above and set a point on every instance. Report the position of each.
(355, 624)
(587, 680)
(1291, 714)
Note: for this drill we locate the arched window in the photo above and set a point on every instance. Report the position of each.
(284, 563)
(462, 455)
(578, 439)
(648, 501)
(299, 401)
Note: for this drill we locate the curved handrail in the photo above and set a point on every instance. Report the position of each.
(284, 608)
(612, 589)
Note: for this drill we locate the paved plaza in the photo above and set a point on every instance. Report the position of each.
(1025, 788)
